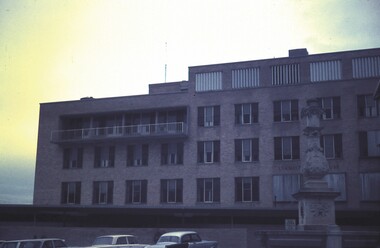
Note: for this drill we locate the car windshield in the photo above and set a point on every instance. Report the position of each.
(173, 239)
(102, 241)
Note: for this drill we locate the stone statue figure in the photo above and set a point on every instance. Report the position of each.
(316, 165)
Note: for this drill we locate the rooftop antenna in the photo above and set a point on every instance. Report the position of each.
(166, 55)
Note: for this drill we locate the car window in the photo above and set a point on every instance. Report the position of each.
(173, 239)
(186, 238)
(195, 238)
(30, 244)
(9, 245)
(121, 241)
(103, 241)
(132, 240)
(47, 244)
(59, 243)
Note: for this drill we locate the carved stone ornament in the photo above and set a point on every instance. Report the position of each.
(320, 209)
(316, 165)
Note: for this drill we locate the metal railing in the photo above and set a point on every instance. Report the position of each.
(142, 130)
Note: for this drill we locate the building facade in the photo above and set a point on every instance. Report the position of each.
(228, 138)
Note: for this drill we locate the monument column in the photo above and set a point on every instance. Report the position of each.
(316, 205)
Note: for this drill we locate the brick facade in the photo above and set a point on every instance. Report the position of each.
(184, 96)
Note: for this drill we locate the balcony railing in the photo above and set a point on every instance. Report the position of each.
(134, 131)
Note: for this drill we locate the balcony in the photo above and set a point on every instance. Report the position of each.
(160, 130)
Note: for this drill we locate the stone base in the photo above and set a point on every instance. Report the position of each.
(316, 207)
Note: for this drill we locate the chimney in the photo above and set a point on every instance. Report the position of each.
(300, 52)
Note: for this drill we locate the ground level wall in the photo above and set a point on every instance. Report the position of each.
(228, 237)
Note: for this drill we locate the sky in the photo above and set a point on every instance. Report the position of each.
(59, 50)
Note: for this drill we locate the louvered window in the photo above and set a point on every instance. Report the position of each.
(285, 74)
(366, 67)
(209, 81)
(246, 78)
(325, 71)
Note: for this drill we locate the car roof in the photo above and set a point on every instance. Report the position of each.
(26, 240)
(116, 236)
(178, 234)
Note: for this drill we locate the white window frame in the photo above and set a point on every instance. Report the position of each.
(103, 193)
(244, 149)
(371, 106)
(136, 191)
(246, 181)
(283, 144)
(328, 101)
(208, 116)
(208, 194)
(208, 145)
(171, 186)
(329, 139)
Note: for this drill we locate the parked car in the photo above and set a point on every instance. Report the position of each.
(117, 241)
(34, 243)
(183, 239)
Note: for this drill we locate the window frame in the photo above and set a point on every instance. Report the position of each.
(131, 193)
(137, 155)
(250, 194)
(101, 188)
(366, 111)
(214, 192)
(209, 116)
(337, 145)
(202, 151)
(66, 195)
(167, 186)
(104, 156)
(279, 109)
(279, 148)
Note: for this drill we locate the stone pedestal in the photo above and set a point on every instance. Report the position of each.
(316, 208)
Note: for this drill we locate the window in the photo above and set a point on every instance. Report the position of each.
(102, 192)
(208, 81)
(368, 106)
(246, 189)
(209, 116)
(72, 158)
(70, 193)
(366, 67)
(370, 186)
(104, 156)
(325, 71)
(286, 148)
(208, 151)
(285, 74)
(137, 155)
(332, 145)
(338, 183)
(285, 110)
(331, 106)
(208, 190)
(246, 113)
(284, 186)
(246, 150)
(136, 191)
(369, 143)
(246, 78)
(172, 153)
(171, 190)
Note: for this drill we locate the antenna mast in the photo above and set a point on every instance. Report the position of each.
(166, 55)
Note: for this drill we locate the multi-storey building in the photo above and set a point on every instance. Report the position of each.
(228, 138)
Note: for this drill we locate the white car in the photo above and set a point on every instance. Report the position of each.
(183, 239)
(34, 243)
(117, 241)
